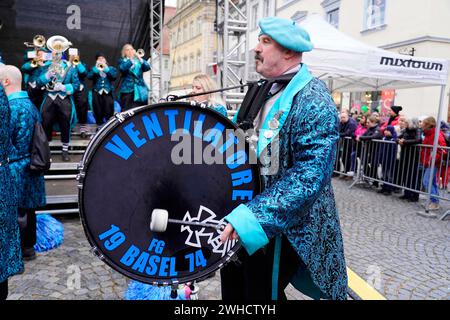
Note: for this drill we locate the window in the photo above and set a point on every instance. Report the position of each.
(192, 31)
(199, 25)
(166, 64)
(254, 24)
(192, 64)
(374, 12)
(331, 8)
(333, 18)
(266, 8)
(185, 33)
(199, 61)
(185, 65)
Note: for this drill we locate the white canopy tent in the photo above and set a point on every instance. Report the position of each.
(356, 66)
(346, 64)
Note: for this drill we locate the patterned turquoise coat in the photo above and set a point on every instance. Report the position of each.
(10, 252)
(132, 78)
(298, 199)
(24, 115)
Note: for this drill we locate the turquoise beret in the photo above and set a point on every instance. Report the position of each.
(287, 33)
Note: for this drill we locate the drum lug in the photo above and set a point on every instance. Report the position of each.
(80, 177)
(95, 252)
(122, 116)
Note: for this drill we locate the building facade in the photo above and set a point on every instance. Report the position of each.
(410, 27)
(193, 42)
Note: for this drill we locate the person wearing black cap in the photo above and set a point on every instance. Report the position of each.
(394, 118)
(102, 76)
(290, 232)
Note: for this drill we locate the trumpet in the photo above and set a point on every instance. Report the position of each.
(76, 60)
(140, 53)
(35, 63)
(100, 66)
(38, 42)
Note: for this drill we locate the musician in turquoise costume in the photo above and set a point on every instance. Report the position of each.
(61, 82)
(31, 70)
(31, 186)
(133, 90)
(102, 75)
(290, 231)
(80, 97)
(10, 253)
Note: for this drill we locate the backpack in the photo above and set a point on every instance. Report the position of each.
(40, 150)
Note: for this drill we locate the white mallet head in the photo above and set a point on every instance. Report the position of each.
(159, 220)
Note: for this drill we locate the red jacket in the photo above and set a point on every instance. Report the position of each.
(394, 122)
(425, 153)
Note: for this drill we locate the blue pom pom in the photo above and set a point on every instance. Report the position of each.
(142, 291)
(49, 233)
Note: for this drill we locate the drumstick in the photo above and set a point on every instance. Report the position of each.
(160, 219)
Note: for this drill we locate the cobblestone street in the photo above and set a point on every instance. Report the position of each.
(401, 254)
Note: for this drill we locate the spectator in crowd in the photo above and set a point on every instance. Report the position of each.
(444, 172)
(11, 261)
(347, 127)
(429, 130)
(204, 83)
(410, 174)
(394, 117)
(356, 153)
(387, 153)
(370, 161)
(31, 186)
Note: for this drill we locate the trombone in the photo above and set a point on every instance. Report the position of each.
(38, 42)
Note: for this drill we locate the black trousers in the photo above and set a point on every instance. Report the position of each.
(127, 101)
(252, 279)
(57, 111)
(103, 105)
(3, 290)
(36, 96)
(81, 106)
(27, 226)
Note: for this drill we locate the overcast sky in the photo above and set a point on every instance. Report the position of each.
(171, 3)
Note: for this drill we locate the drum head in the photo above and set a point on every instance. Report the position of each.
(160, 157)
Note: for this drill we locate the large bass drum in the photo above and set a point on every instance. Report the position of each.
(185, 159)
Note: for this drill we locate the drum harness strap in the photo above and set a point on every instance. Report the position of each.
(257, 95)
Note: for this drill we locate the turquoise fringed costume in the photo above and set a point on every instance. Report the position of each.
(10, 251)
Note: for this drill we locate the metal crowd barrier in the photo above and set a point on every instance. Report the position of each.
(396, 167)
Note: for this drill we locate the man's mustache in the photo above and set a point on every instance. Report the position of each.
(258, 57)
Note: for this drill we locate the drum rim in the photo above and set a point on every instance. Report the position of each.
(93, 145)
